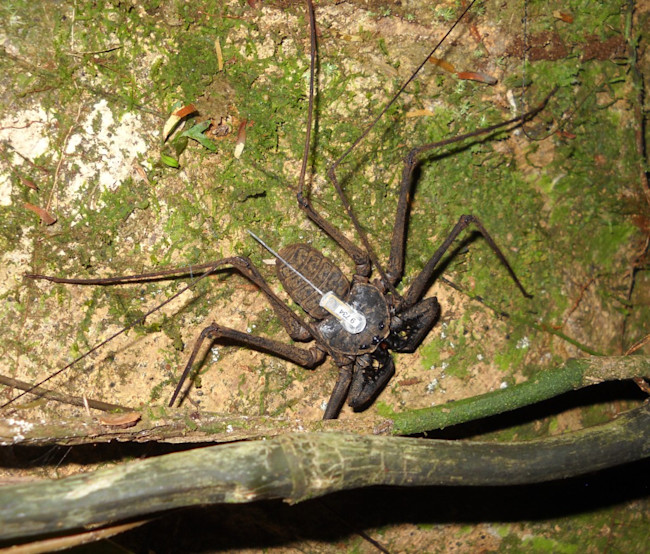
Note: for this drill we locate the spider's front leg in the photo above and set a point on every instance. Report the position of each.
(294, 325)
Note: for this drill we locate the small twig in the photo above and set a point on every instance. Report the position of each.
(5, 147)
(581, 295)
(638, 83)
(642, 384)
(346, 523)
(181, 426)
(637, 345)
(636, 265)
(90, 52)
(61, 397)
(69, 541)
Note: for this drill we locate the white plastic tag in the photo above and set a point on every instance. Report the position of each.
(351, 320)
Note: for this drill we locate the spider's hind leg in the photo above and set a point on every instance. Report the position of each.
(293, 324)
(307, 358)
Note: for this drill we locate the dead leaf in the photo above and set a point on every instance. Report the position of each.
(409, 382)
(28, 183)
(443, 64)
(563, 16)
(175, 118)
(565, 134)
(477, 76)
(466, 75)
(121, 421)
(217, 48)
(241, 139)
(185, 111)
(46, 217)
(140, 171)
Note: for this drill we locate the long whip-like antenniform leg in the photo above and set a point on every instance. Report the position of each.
(331, 173)
(358, 255)
(111, 280)
(295, 325)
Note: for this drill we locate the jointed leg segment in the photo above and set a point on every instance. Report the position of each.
(420, 283)
(395, 267)
(307, 358)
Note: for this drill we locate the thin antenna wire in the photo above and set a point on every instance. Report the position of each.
(285, 262)
(399, 92)
(332, 170)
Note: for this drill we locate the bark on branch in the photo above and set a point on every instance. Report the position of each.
(296, 467)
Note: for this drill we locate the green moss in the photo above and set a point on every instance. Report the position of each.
(384, 409)
(430, 353)
(543, 544)
(565, 217)
(191, 425)
(214, 428)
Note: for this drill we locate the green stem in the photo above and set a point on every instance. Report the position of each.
(573, 374)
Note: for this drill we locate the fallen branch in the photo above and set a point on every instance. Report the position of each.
(177, 427)
(62, 397)
(297, 467)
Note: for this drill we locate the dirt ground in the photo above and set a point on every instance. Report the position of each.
(90, 187)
